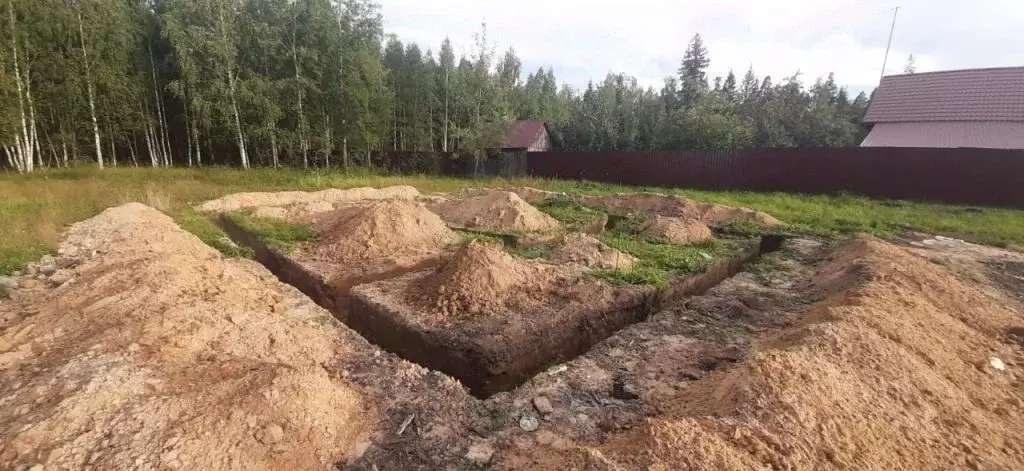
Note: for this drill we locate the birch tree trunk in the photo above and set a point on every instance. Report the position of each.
(273, 143)
(22, 149)
(303, 143)
(92, 97)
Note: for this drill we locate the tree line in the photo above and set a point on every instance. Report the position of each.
(318, 83)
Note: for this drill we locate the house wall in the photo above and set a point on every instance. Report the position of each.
(948, 134)
(542, 143)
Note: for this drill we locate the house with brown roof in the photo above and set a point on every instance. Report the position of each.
(958, 108)
(528, 135)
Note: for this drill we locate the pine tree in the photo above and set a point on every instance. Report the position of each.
(693, 77)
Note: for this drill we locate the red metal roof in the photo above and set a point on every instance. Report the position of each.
(957, 95)
(983, 134)
(523, 134)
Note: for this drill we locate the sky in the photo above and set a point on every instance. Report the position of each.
(586, 39)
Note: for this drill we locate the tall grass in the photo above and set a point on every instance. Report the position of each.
(35, 209)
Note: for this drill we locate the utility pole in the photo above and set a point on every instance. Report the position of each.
(889, 45)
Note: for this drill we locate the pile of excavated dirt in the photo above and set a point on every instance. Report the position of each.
(901, 365)
(678, 206)
(158, 353)
(494, 210)
(582, 249)
(478, 278)
(389, 229)
(677, 230)
(296, 203)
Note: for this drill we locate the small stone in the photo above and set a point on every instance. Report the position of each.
(480, 452)
(626, 392)
(8, 283)
(47, 269)
(134, 347)
(543, 405)
(278, 308)
(61, 276)
(272, 434)
(996, 364)
(528, 422)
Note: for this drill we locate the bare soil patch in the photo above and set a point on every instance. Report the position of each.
(294, 204)
(677, 230)
(493, 210)
(877, 359)
(585, 250)
(158, 353)
(678, 207)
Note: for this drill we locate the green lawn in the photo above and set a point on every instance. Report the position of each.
(34, 209)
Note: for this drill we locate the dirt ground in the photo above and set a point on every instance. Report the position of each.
(138, 347)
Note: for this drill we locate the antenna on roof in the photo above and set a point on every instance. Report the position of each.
(885, 61)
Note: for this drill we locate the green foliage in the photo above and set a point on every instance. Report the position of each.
(570, 213)
(281, 235)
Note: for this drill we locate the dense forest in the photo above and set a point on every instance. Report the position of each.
(319, 83)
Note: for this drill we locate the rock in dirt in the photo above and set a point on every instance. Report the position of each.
(272, 434)
(496, 211)
(528, 422)
(480, 452)
(543, 405)
(584, 250)
(61, 276)
(8, 283)
(677, 230)
(624, 391)
(996, 364)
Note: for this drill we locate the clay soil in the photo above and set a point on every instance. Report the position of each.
(366, 241)
(158, 353)
(678, 207)
(494, 210)
(146, 349)
(493, 320)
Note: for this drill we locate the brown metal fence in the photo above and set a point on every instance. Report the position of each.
(989, 177)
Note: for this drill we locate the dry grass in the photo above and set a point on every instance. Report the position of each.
(35, 209)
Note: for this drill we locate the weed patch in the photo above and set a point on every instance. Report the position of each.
(280, 235)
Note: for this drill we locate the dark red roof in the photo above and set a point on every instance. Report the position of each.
(956, 95)
(523, 134)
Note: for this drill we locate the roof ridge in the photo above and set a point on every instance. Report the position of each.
(974, 69)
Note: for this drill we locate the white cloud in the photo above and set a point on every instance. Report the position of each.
(585, 39)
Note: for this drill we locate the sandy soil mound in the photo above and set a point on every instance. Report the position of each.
(306, 202)
(478, 279)
(677, 230)
(582, 249)
(494, 210)
(893, 370)
(678, 206)
(383, 229)
(160, 354)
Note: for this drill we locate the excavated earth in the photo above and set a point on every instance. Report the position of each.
(138, 347)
